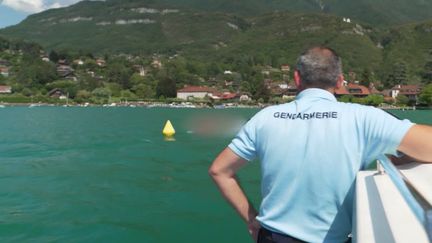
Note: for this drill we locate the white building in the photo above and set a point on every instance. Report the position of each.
(4, 71)
(195, 92)
(5, 89)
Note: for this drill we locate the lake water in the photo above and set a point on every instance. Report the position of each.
(107, 175)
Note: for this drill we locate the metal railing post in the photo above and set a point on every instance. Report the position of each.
(380, 168)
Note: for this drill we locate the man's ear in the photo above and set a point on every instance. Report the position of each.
(297, 78)
(339, 81)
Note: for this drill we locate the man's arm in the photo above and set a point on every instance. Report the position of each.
(223, 171)
(417, 143)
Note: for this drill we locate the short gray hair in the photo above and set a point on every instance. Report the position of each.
(319, 67)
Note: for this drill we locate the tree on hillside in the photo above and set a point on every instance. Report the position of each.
(30, 49)
(213, 69)
(144, 91)
(53, 56)
(184, 72)
(427, 70)
(65, 55)
(427, 73)
(398, 74)
(82, 96)
(87, 82)
(34, 71)
(90, 64)
(4, 44)
(426, 95)
(166, 87)
(101, 93)
(136, 79)
(120, 73)
(2, 80)
(258, 89)
(195, 67)
(115, 88)
(367, 77)
(127, 94)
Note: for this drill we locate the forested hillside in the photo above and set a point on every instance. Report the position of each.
(197, 41)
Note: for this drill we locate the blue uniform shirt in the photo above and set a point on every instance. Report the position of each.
(310, 151)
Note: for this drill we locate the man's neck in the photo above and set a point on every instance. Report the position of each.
(331, 90)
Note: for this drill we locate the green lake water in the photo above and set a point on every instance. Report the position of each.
(108, 175)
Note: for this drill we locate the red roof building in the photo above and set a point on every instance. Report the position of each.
(100, 62)
(411, 91)
(341, 91)
(196, 89)
(285, 68)
(228, 96)
(356, 90)
(201, 92)
(5, 89)
(4, 71)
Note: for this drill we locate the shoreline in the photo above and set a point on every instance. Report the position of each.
(142, 104)
(134, 105)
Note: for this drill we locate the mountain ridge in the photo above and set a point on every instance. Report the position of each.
(195, 31)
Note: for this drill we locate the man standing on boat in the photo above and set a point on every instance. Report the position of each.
(310, 152)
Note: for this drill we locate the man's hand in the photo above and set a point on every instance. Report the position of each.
(402, 160)
(253, 228)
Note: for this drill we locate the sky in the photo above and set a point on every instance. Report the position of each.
(14, 11)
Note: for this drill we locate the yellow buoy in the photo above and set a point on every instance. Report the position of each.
(168, 130)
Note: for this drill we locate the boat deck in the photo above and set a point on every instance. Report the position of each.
(382, 214)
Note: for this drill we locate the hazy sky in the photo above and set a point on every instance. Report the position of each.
(14, 11)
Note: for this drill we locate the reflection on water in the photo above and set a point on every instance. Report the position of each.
(169, 139)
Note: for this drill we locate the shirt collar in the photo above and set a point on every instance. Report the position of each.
(316, 93)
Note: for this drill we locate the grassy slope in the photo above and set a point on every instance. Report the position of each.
(375, 12)
(207, 35)
(411, 44)
(286, 35)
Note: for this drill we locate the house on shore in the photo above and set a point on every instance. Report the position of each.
(140, 70)
(65, 71)
(45, 58)
(198, 92)
(290, 91)
(201, 92)
(285, 68)
(4, 63)
(410, 91)
(57, 94)
(353, 89)
(4, 89)
(78, 62)
(100, 62)
(156, 64)
(4, 71)
(225, 96)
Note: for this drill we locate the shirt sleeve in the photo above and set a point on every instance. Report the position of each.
(384, 133)
(244, 142)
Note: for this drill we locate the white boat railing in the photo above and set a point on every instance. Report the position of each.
(420, 207)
